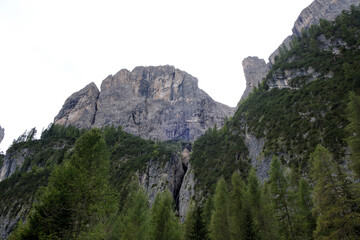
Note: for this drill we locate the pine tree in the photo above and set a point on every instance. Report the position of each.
(163, 223)
(353, 128)
(336, 203)
(280, 194)
(219, 224)
(195, 227)
(261, 208)
(304, 220)
(136, 215)
(77, 197)
(236, 207)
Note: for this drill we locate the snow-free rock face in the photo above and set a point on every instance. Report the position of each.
(255, 71)
(2, 133)
(162, 103)
(319, 9)
(13, 160)
(80, 108)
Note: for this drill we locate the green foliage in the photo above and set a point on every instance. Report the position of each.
(353, 113)
(236, 204)
(77, 196)
(135, 217)
(261, 208)
(219, 224)
(304, 220)
(279, 189)
(163, 224)
(195, 226)
(220, 151)
(335, 197)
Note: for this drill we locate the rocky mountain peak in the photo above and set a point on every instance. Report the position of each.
(160, 102)
(318, 9)
(255, 69)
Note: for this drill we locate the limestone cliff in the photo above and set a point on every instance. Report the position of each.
(162, 103)
(318, 9)
(2, 133)
(80, 108)
(255, 70)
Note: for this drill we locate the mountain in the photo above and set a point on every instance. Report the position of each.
(161, 103)
(293, 104)
(256, 69)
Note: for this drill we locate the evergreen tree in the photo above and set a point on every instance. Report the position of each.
(335, 202)
(261, 208)
(77, 197)
(304, 220)
(236, 207)
(280, 194)
(208, 208)
(135, 218)
(353, 128)
(195, 227)
(219, 224)
(164, 224)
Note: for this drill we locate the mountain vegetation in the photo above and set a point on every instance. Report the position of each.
(84, 184)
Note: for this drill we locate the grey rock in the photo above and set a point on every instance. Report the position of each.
(321, 9)
(162, 103)
(255, 71)
(14, 160)
(2, 134)
(80, 108)
(187, 192)
(318, 9)
(161, 176)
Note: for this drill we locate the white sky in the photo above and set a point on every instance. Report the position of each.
(50, 49)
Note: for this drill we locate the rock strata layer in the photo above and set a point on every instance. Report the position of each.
(161, 103)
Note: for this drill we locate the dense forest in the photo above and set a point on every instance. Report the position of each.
(84, 183)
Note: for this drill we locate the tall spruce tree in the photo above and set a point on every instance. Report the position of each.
(353, 128)
(164, 225)
(261, 208)
(77, 197)
(135, 217)
(195, 226)
(219, 224)
(280, 194)
(304, 220)
(236, 210)
(336, 203)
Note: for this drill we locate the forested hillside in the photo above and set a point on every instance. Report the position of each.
(302, 181)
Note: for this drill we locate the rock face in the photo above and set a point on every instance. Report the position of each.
(319, 9)
(2, 133)
(255, 70)
(161, 103)
(13, 161)
(80, 108)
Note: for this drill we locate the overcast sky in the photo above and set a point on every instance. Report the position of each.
(50, 49)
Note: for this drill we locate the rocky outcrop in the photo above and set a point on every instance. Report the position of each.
(187, 192)
(14, 160)
(255, 71)
(2, 134)
(161, 103)
(80, 108)
(319, 9)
